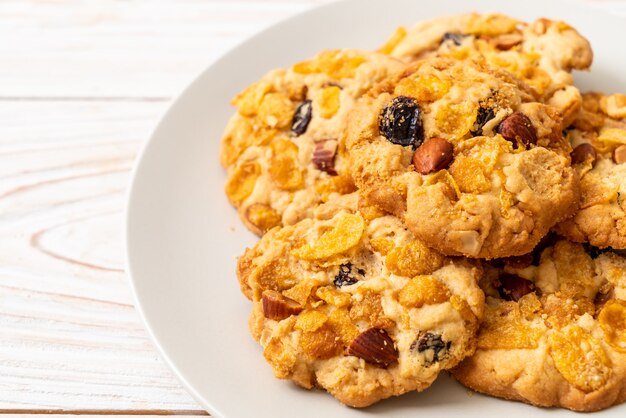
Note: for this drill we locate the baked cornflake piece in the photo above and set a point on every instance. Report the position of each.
(465, 155)
(542, 53)
(352, 303)
(554, 332)
(282, 149)
(598, 138)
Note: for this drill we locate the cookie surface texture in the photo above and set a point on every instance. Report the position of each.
(542, 53)
(598, 138)
(464, 153)
(282, 149)
(355, 305)
(555, 330)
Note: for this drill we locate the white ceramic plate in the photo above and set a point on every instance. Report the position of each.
(183, 237)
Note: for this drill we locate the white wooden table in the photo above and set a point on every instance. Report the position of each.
(82, 83)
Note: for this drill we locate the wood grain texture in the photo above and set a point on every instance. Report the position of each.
(82, 84)
(113, 48)
(70, 337)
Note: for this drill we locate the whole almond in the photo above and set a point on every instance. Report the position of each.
(374, 346)
(518, 129)
(619, 155)
(433, 155)
(584, 152)
(278, 307)
(512, 287)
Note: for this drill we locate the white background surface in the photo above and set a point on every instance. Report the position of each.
(82, 84)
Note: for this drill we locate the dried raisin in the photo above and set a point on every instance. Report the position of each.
(401, 122)
(345, 277)
(456, 38)
(429, 341)
(301, 118)
(484, 115)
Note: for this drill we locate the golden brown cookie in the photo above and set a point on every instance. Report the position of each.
(598, 138)
(542, 53)
(350, 302)
(465, 155)
(282, 149)
(554, 332)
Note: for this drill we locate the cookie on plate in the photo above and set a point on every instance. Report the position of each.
(554, 332)
(352, 303)
(542, 53)
(598, 137)
(465, 155)
(282, 148)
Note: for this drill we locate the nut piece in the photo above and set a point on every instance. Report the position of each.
(518, 129)
(507, 41)
(278, 307)
(324, 155)
(512, 287)
(619, 155)
(433, 155)
(374, 346)
(584, 152)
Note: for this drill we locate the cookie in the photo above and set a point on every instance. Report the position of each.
(542, 53)
(352, 303)
(598, 138)
(554, 332)
(282, 149)
(465, 155)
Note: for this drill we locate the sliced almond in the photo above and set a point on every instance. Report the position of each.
(278, 307)
(374, 346)
(619, 155)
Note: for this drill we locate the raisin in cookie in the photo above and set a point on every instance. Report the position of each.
(598, 138)
(542, 53)
(355, 305)
(281, 149)
(554, 332)
(465, 155)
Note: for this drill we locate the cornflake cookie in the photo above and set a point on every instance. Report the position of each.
(598, 138)
(355, 305)
(464, 153)
(282, 148)
(554, 332)
(542, 53)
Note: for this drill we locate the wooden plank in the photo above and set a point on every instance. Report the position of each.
(98, 413)
(69, 335)
(136, 48)
(110, 48)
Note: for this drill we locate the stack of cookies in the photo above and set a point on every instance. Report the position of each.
(450, 202)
